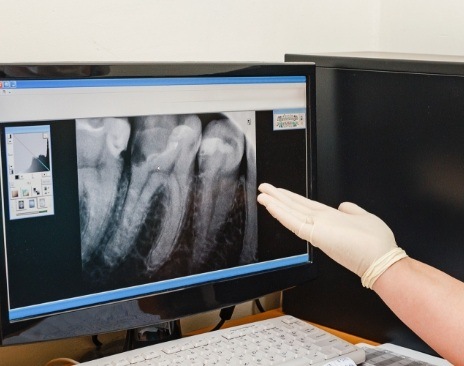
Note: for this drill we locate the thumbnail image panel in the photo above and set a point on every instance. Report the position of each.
(30, 183)
(165, 196)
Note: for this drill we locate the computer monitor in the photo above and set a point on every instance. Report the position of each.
(390, 132)
(129, 191)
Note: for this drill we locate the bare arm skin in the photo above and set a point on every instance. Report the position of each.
(429, 302)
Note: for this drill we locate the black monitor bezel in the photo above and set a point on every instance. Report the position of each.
(168, 306)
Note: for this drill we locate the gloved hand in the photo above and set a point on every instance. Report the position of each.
(351, 236)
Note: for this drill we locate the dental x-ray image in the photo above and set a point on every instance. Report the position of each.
(165, 196)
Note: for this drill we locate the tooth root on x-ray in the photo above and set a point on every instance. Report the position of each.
(100, 142)
(162, 157)
(250, 240)
(221, 152)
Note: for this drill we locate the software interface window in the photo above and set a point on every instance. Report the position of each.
(137, 185)
(28, 159)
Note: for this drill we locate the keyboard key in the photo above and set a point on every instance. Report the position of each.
(343, 348)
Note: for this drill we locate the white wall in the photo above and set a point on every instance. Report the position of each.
(422, 26)
(181, 30)
(221, 30)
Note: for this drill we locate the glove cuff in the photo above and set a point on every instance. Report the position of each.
(379, 266)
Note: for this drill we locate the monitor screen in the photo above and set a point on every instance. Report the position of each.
(129, 191)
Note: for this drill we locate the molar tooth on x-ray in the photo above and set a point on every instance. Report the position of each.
(221, 152)
(100, 142)
(163, 151)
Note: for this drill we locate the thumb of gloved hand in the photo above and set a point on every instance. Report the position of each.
(350, 235)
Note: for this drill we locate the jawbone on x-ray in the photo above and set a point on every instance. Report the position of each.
(166, 195)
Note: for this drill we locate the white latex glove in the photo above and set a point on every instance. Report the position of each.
(351, 236)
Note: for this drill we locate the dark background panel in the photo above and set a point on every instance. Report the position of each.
(391, 140)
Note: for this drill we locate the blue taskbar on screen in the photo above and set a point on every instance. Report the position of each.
(150, 288)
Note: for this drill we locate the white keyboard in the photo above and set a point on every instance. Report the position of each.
(280, 341)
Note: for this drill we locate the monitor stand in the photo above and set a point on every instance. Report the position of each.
(135, 338)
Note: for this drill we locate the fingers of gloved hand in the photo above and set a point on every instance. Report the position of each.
(293, 220)
(298, 211)
(297, 202)
(267, 201)
(284, 200)
(304, 201)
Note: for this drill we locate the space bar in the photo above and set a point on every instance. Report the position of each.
(341, 361)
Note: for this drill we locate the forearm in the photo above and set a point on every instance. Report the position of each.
(428, 301)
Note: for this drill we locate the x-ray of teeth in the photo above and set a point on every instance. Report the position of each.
(163, 196)
(99, 161)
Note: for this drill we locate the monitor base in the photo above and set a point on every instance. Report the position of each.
(136, 338)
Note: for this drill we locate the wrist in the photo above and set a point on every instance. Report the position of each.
(380, 265)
